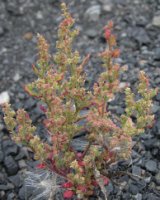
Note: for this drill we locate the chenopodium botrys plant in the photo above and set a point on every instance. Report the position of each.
(60, 86)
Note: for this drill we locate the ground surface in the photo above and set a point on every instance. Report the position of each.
(137, 26)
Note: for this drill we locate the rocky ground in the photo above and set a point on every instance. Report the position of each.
(137, 26)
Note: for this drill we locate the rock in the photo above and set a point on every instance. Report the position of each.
(138, 196)
(157, 80)
(4, 97)
(157, 54)
(10, 165)
(9, 186)
(39, 15)
(151, 166)
(9, 147)
(15, 8)
(22, 164)
(3, 179)
(1, 31)
(141, 36)
(150, 143)
(158, 95)
(136, 170)
(157, 179)
(157, 128)
(91, 33)
(133, 189)
(22, 193)
(29, 103)
(109, 188)
(2, 195)
(155, 108)
(23, 153)
(93, 13)
(156, 21)
(106, 5)
(16, 77)
(11, 196)
(16, 180)
(151, 196)
(1, 155)
(79, 144)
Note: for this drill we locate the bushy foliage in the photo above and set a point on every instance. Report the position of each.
(60, 86)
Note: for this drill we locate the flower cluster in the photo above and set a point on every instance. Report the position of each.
(60, 88)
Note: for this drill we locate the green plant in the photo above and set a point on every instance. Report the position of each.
(60, 88)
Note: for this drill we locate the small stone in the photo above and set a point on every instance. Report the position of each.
(29, 103)
(11, 196)
(133, 189)
(93, 13)
(136, 170)
(22, 193)
(3, 179)
(1, 31)
(156, 21)
(158, 97)
(155, 108)
(151, 166)
(39, 15)
(16, 180)
(151, 196)
(4, 97)
(141, 36)
(23, 153)
(28, 36)
(109, 188)
(10, 148)
(138, 196)
(22, 164)
(157, 179)
(157, 54)
(122, 85)
(1, 155)
(9, 186)
(157, 80)
(79, 144)
(107, 7)
(10, 165)
(91, 33)
(16, 77)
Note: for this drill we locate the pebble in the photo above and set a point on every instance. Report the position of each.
(136, 170)
(157, 54)
(91, 33)
(4, 97)
(1, 31)
(16, 180)
(11, 165)
(93, 13)
(141, 36)
(16, 77)
(156, 21)
(22, 164)
(151, 166)
(138, 196)
(9, 186)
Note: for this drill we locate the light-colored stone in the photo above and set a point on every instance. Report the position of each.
(93, 13)
(4, 97)
(156, 21)
(16, 77)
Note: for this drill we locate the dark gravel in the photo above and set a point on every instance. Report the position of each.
(137, 26)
